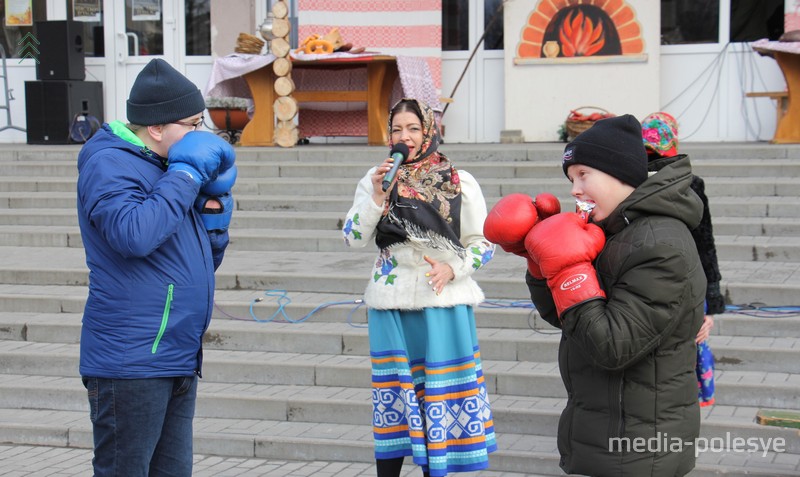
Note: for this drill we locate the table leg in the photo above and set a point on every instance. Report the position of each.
(260, 131)
(788, 129)
(380, 82)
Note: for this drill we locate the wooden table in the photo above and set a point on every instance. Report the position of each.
(788, 130)
(381, 74)
(788, 58)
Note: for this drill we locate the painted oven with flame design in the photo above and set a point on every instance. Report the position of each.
(576, 29)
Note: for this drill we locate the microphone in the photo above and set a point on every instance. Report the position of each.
(399, 153)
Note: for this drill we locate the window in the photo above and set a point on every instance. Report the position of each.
(198, 27)
(91, 14)
(756, 19)
(144, 27)
(11, 35)
(493, 24)
(689, 21)
(455, 25)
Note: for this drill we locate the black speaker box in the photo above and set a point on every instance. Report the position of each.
(61, 52)
(50, 107)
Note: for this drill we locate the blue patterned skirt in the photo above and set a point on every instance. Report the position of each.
(428, 392)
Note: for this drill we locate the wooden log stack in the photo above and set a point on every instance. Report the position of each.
(285, 106)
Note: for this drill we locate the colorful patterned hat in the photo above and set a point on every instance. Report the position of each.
(660, 135)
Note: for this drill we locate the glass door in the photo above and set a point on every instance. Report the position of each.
(477, 111)
(142, 30)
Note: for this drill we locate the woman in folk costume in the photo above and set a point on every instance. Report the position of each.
(660, 136)
(428, 391)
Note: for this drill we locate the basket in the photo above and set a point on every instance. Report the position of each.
(577, 126)
(246, 43)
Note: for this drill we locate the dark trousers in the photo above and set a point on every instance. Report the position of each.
(142, 427)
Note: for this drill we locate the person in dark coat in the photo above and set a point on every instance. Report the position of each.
(623, 281)
(660, 137)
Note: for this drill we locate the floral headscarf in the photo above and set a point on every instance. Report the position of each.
(425, 203)
(660, 135)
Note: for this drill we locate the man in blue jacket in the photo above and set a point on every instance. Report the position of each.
(154, 206)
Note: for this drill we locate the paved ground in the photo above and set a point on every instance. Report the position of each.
(18, 461)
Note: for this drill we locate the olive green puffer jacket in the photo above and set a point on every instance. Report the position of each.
(628, 362)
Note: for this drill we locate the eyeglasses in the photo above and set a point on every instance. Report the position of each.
(193, 125)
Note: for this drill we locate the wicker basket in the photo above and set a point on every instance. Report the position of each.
(576, 127)
(247, 43)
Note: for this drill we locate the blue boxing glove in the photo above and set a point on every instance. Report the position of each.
(222, 184)
(216, 212)
(215, 219)
(201, 155)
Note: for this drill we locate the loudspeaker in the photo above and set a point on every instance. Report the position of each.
(61, 53)
(50, 107)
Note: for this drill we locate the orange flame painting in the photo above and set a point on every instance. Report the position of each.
(580, 37)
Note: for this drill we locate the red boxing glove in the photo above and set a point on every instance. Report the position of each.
(564, 246)
(547, 205)
(510, 220)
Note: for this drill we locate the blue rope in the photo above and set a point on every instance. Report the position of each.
(757, 311)
(527, 304)
(283, 300)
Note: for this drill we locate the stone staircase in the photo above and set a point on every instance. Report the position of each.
(300, 391)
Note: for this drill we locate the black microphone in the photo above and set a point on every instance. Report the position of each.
(399, 153)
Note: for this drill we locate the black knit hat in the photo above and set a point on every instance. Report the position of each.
(161, 95)
(612, 145)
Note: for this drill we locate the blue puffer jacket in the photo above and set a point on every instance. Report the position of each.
(151, 280)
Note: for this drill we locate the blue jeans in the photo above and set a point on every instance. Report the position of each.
(142, 427)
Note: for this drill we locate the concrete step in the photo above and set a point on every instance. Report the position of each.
(494, 185)
(756, 226)
(763, 248)
(71, 299)
(61, 216)
(772, 284)
(28, 310)
(317, 152)
(44, 183)
(335, 351)
(339, 200)
(759, 248)
(337, 320)
(330, 220)
(724, 206)
(733, 248)
(277, 363)
(332, 333)
(353, 161)
(353, 443)
(279, 218)
(495, 182)
(517, 414)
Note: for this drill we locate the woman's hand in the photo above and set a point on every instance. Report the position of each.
(440, 274)
(705, 330)
(378, 195)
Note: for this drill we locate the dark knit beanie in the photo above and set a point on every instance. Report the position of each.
(161, 95)
(612, 145)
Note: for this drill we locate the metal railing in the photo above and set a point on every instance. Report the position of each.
(7, 95)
